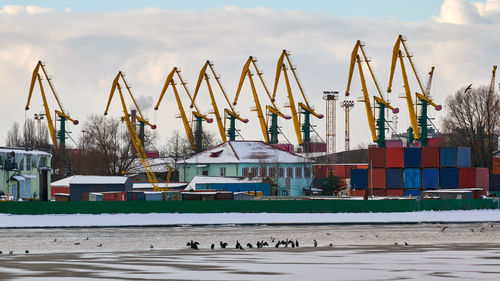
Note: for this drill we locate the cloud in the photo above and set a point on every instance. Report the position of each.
(143, 102)
(465, 12)
(13, 10)
(84, 51)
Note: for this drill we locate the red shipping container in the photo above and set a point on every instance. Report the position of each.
(376, 155)
(473, 177)
(358, 192)
(394, 157)
(341, 171)
(58, 189)
(319, 171)
(430, 157)
(393, 143)
(394, 192)
(378, 178)
(496, 166)
(362, 166)
(377, 192)
(317, 147)
(436, 142)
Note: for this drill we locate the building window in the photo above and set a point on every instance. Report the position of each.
(272, 172)
(253, 172)
(298, 172)
(43, 161)
(28, 162)
(307, 172)
(281, 172)
(223, 171)
(204, 173)
(289, 172)
(263, 172)
(21, 163)
(245, 172)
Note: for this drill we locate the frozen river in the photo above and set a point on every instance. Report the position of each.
(357, 252)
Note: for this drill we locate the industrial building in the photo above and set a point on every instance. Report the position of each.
(288, 173)
(81, 185)
(25, 174)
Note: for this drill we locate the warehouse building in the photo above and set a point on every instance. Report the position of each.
(86, 184)
(289, 174)
(25, 174)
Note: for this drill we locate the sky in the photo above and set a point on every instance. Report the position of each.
(85, 43)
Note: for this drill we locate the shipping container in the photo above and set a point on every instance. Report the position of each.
(393, 143)
(341, 171)
(135, 196)
(85, 196)
(463, 157)
(284, 146)
(430, 157)
(448, 157)
(359, 178)
(172, 195)
(473, 177)
(412, 178)
(412, 157)
(496, 166)
(58, 189)
(62, 197)
(317, 147)
(221, 195)
(495, 183)
(394, 192)
(412, 192)
(394, 178)
(376, 192)
(319, 171)
(95, 196)
(376, 156)
(358, 192)
(378, 178)
(394, 157)
(436, 142)
(448, 178)
(153, 196)
(265, 188)
(430, 178)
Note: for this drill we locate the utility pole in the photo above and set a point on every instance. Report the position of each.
(330, 97)
(347, 105)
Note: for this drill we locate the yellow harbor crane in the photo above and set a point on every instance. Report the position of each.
(418, 124)
(63, 116)
(378, 124)
(307, 110)
(232, 115)
(272, 109)
(136, 142)
(196, 139)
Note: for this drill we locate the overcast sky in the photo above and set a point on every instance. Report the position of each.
(85, 43)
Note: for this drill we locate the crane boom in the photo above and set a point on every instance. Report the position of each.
(136, 142)
(61, 113)
(170, 81)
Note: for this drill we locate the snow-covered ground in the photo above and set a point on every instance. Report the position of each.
(161, 219)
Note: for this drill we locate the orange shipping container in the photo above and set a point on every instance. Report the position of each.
(358, 192)
(394, 157)
(58, 189)
(378, 178)
(394, 192)
(496, 166)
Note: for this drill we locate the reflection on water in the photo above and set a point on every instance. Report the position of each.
(459, 252)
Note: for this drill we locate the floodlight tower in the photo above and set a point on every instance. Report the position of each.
(347, 105)
(330, 97)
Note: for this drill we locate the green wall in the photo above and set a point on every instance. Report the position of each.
(255, 206)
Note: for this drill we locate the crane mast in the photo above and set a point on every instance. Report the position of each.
(63, 116)
(375, 125)
(136, 141)
(196, 139)
(306, 109)
(230, 112)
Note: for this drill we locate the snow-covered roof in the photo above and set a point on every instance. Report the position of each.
(146, 185)
(98, 180)
(208, 179)
(23, 151)
(245, 152)
(62, 182)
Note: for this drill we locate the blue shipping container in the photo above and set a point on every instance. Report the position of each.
(430, 178)
(359, 178)
(448, 157)
(394, 178)
(412, 192)
(413, 157)
(448, 178)
(495, 183)
(463, 157)
(265, 188)
(412, 178)
(135, 196)
(153, 196)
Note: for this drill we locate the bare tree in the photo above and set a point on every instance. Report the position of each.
(13, 136)
(177, 148)
(29, 134)
(473, 121)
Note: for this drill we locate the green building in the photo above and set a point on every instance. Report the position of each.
(288, 173)
(24, 174)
